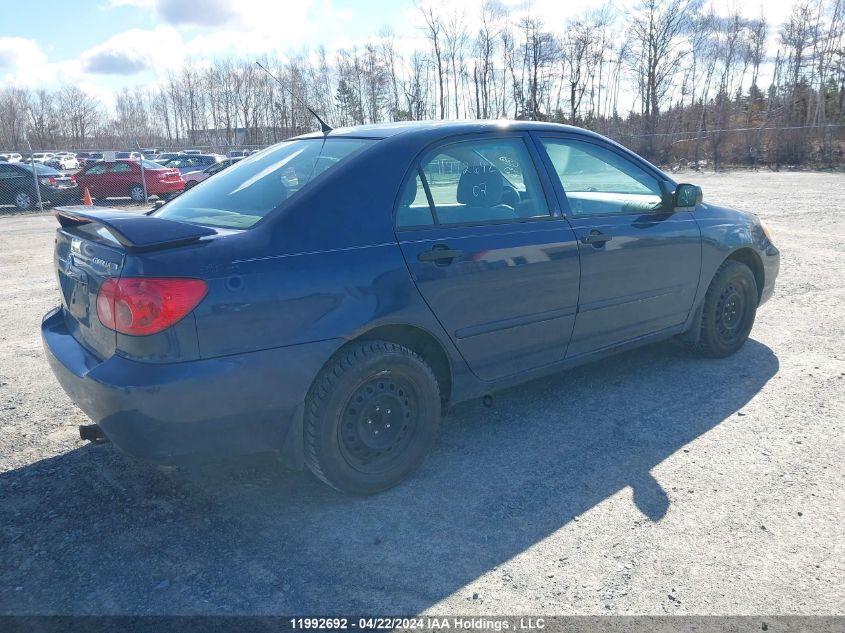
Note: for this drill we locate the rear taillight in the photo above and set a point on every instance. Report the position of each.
(145, 305)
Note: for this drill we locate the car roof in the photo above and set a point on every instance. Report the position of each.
(439, 129)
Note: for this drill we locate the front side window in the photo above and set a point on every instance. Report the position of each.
(598, 181)
(117, 168)
(246, 192)
(474, 182)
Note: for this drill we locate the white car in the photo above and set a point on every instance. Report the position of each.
(12, 158)
(63, 162)
(42, 157)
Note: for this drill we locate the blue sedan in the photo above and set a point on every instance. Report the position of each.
(328, 298)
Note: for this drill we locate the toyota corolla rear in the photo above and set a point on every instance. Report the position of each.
(156, 335)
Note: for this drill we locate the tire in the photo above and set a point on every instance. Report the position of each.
(24, 201)
(730, 307)
(136, 192)
(371, 417)
(190, 184)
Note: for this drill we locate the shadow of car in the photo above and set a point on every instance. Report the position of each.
(92, 532)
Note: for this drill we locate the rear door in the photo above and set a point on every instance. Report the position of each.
(92, 179)
(490, 253)
(120, 176)
(640, 259)
(85, 256)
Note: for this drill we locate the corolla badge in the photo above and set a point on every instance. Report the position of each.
(105, 264)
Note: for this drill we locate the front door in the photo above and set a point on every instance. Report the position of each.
(640, 259)
(495, 262)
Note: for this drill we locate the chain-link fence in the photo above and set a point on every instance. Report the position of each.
(35, 179)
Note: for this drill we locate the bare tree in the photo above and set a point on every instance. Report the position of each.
(434, 31)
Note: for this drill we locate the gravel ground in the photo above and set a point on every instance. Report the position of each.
(653, 482)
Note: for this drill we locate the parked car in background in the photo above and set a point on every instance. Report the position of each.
(129, 155)
(193, 178)
(150, 153)
(13, 157)
(474, 256)
(192, 151)
(122, 178)
(17, 185)
(193, 162)
(40, 157)
(237, 153)
(63, 161)
(163, 157)
(92, 158)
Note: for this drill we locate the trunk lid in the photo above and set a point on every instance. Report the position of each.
(84, 260)
(91, 247)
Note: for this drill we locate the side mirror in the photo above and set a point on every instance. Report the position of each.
(687, 195)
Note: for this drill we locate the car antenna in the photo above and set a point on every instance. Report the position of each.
(325, 128)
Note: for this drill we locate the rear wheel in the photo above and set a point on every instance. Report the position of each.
(730, 307)
(371, 417)
(23, 201)
(136, 192)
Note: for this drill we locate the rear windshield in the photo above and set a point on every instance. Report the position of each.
(241, 195)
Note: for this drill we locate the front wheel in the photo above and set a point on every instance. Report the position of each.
(730, 306)
(371, 417)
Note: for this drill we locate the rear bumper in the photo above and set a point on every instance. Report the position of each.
(165, 187)
(176, 412)
(60, 196)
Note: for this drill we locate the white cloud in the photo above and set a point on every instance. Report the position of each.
(18, 53)
(135, 51)
(204, 13)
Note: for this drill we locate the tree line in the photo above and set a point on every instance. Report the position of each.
(671, 79)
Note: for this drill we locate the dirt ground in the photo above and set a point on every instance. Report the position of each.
(653, 482)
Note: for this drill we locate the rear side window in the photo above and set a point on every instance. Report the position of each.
(473, 182)
(244, 193)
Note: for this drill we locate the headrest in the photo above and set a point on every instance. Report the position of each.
(480, 186)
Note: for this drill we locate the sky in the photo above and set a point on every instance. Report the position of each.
(105, 45)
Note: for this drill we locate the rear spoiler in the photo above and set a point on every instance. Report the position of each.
(135, 231)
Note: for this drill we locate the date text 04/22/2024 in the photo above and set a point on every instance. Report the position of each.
(430, 623)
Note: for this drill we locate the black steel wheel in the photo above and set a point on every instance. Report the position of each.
(730, 307)
(371, 417)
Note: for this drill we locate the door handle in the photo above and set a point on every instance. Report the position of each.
(596, 237)
(439, 254)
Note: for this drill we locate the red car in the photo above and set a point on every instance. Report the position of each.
(122, 178)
